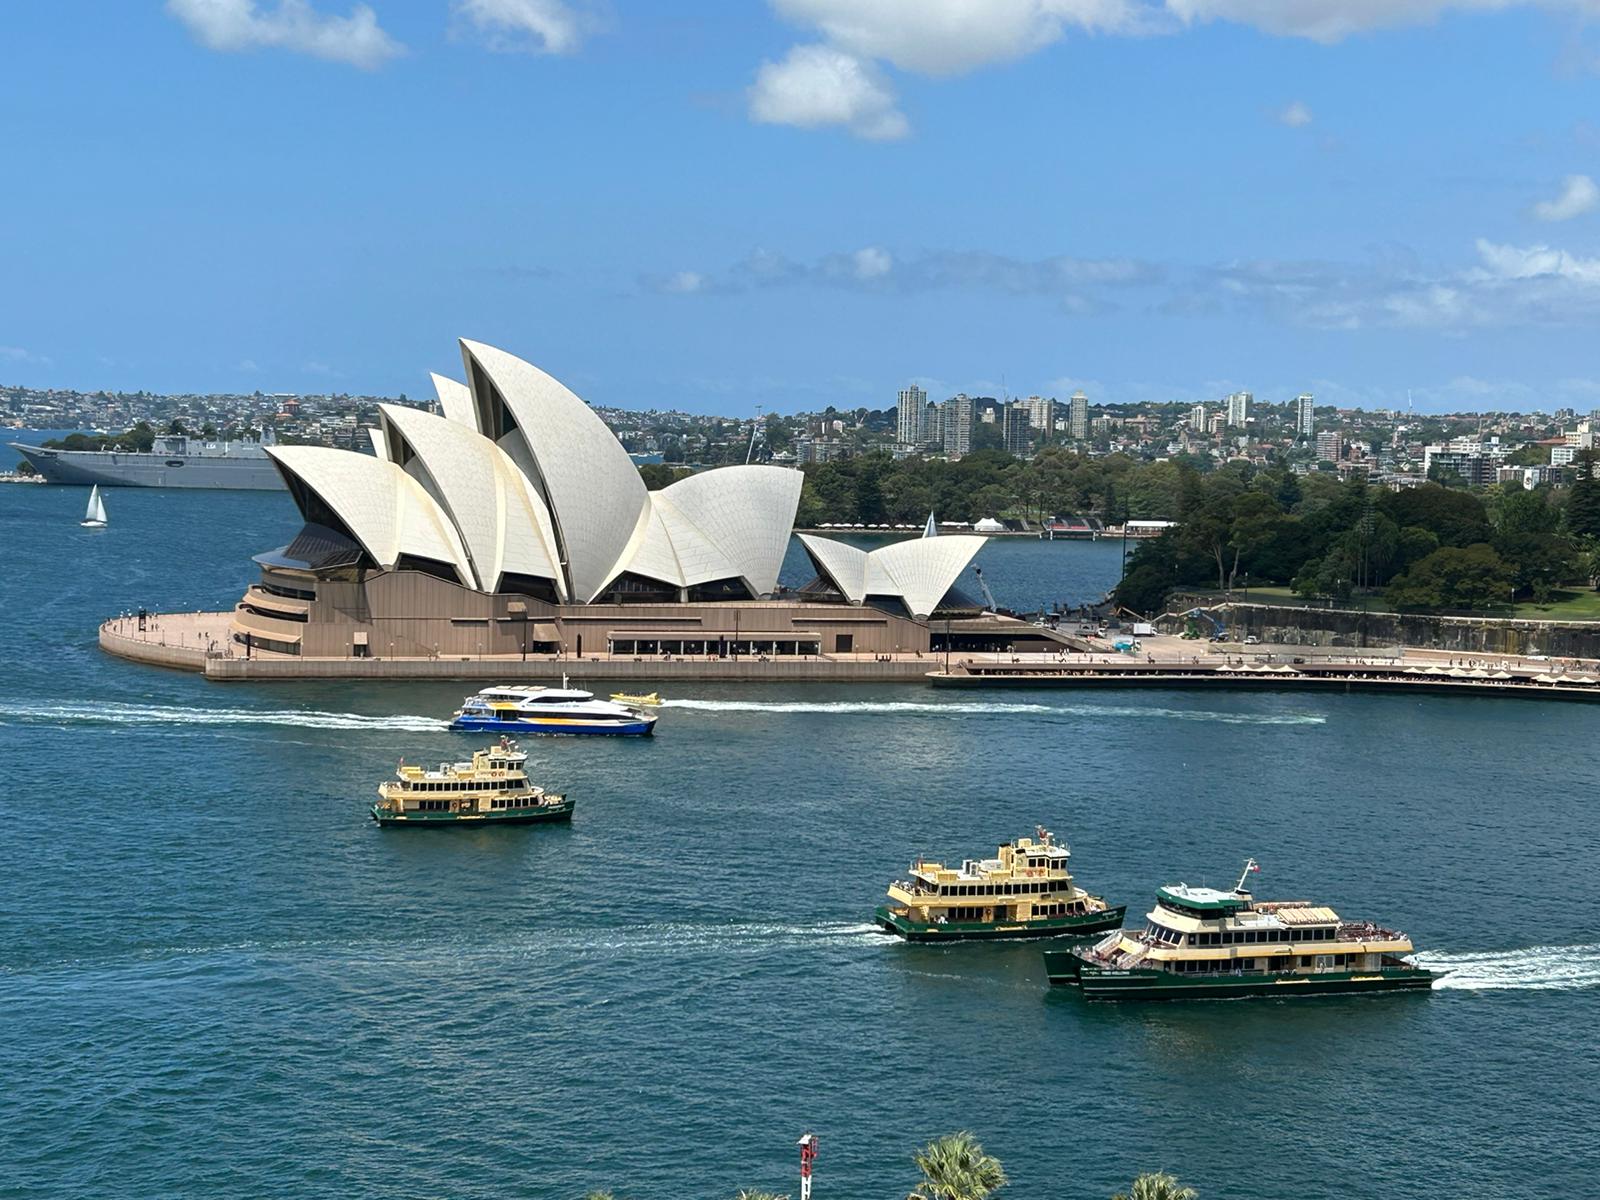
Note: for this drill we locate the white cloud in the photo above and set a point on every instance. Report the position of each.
(538, 26)
(947, 37)
(1328, 20)
(682, 283)
(1075, 283)
(247, 364)
(1535, 262)
(1501, 287)
(234, 25)
(872, 263)
(1295, 115)
(21, 355)
(1334, 20)
(1578, 196)
(817, 86)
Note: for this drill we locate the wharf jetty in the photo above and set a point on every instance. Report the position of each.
(1400, 673)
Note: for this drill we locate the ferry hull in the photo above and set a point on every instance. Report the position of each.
(554, 728)
(446, 820)
(1066, 968)
(1083, 925)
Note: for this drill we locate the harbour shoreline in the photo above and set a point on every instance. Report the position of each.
(197, 642)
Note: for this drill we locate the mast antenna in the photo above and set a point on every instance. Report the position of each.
(1249, 865)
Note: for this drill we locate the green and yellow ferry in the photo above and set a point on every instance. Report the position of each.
(1201, 943)
(1025, 891)
(492, 789)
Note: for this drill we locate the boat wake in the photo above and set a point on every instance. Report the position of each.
(1535, 968)
(670, 939)
(967, 708)
(169, 714)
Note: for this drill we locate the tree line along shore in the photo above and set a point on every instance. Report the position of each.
(1429, 548)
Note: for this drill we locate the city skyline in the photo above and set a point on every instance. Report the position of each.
(235, 196)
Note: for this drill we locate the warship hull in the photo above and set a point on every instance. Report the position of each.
(247, 471)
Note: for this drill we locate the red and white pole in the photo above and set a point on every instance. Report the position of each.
(808, 1154)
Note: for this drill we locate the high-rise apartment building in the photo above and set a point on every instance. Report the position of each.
(1016, 430)
(1330, 445)
(1041, 411)
(1239, 409)
(1078, 410)
(1305, 419)
(909, 431)
(1197, 418)
(957, 426)
(933, 425)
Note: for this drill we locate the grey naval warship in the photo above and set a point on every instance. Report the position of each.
(174, 460)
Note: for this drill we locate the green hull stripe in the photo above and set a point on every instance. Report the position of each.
(953, 931)
(443, 819)
(1152, 985)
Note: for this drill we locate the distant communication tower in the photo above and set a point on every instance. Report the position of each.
(808, 1154)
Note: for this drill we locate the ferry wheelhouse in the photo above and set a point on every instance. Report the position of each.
(548, 710)
(1201, 942)
(492, 789)
(1026, 890)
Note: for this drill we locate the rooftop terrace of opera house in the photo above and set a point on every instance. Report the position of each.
(511, 526)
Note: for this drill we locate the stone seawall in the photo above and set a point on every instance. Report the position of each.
(193, 642)
(153, 648)
(784, 670)
(1352, 628)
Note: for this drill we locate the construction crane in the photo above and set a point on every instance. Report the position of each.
(983, 586)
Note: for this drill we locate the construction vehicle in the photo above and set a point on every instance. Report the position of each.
(983, 586)
(1192, 629)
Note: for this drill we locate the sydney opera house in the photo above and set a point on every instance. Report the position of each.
(513, 522)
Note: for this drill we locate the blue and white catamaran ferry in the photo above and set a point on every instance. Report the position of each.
(511, 708)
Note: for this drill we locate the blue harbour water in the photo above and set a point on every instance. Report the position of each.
(218, 978)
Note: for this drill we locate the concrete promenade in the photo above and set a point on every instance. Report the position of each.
(200, 642)
(1290, 669)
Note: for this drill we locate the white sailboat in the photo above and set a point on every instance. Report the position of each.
(95, 517)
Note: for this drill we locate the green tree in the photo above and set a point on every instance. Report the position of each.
(955, 1167)
(1472, 577)
(1156, 1185)
(1456, 518)
(1583, 499)
(658, 475)
(1152, 573)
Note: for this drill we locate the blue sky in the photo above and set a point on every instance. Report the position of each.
(793, 203)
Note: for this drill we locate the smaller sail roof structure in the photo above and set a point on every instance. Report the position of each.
(917, 572)
(387, 511)
(502, 521)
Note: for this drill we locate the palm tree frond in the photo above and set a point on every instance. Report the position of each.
(1157, 1185)
(955, 1167)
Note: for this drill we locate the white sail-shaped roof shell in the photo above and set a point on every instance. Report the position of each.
(386, 510)
(520, 477)
(918, 572)
(503, 523)
(455, 401)
(733, 522)
(588, 482)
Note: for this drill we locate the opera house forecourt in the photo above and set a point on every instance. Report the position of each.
(513, 527)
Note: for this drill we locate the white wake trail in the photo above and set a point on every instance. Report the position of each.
(109, 713)
(1533, 968)
(968, 708)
